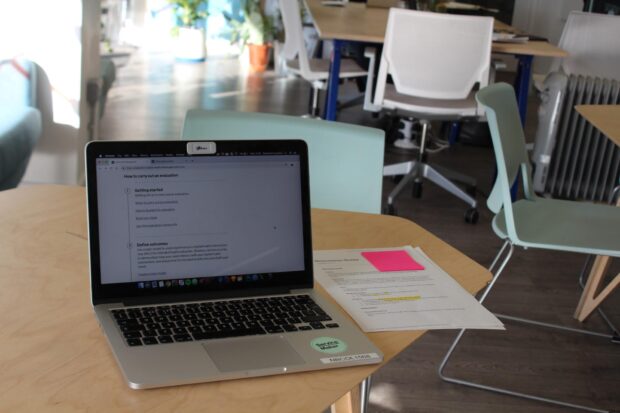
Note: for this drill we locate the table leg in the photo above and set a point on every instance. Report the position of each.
(522, 83)
(591, 298)
(349, 403)
(522, 88)
(331, 100)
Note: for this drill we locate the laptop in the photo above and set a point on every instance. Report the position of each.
(201, 263)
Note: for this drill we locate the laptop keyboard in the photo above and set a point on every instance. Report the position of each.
(220, 319)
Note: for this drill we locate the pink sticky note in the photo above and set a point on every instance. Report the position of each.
(392, 261)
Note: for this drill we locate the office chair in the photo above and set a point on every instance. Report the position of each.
(315, 71)
(434, 60)
(591, 42)
(534, 222)
(340, 178)
(20, 121)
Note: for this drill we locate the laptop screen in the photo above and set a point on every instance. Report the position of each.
(168, 222)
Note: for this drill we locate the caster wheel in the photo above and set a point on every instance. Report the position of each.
(389, 210)
(471, 216)
(397, 178)
(417, 190)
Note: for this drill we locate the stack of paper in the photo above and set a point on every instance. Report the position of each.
(391, 289)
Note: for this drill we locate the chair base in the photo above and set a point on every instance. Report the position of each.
(505, 391)
(415, 170)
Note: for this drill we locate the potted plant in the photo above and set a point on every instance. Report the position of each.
(190, 43)
(256, 30)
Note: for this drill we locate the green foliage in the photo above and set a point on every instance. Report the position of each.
(255, 28)
(190, 11)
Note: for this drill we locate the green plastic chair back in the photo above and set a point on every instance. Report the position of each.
(511, 156)
(346, 161)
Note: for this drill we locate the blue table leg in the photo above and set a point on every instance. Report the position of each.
(522, 87)
(455, 130)
(332, 83)
(522, 83)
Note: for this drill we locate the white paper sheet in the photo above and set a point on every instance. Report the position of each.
(399, 300)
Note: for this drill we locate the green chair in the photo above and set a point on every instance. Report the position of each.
(534, 222)
(20, 121)
(346, 161)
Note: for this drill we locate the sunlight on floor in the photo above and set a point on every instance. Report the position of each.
(385, 396)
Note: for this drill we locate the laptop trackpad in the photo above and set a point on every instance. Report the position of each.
(252, 353)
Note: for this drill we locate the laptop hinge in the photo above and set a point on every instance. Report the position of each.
(202, 296)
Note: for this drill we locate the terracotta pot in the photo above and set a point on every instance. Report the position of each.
(259, 57)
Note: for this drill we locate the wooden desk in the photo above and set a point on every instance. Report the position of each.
(605, 118)
(356, 22)
(53, 356)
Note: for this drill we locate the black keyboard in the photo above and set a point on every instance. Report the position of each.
(163, 324)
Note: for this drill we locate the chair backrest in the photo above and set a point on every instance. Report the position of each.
(435, 55)
(511, 156)
(294, 44)
(592, 41)
(346, 161)
(20, 120)
(18, 84)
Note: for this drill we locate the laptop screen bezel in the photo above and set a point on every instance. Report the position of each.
(124, 292)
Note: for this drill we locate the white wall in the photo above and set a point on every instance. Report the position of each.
(543, 18)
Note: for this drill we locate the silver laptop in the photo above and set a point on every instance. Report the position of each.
(201, 263)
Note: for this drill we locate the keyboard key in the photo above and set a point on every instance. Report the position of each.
(304, 328)
(228, 334)
(182, 337)
(317, 325)
(134, 342)
(165, 339)
(332, 325)
(150, 340)
(276, 329)
(132, 334)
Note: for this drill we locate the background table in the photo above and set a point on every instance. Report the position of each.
(356, 22)
(605, 118)
(53, 356)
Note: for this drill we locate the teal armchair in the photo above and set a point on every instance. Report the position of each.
(20, 121)
(346, 161)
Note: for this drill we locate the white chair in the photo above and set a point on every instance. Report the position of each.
(591, 40)
(435, 61)
(315, 71)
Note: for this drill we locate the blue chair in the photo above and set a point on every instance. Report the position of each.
(20, 121)
(534, 222)
(346, 161)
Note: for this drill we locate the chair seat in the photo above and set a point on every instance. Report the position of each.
(458, 108)
(320, 69)
(564, 226)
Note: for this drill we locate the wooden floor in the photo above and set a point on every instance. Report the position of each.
(149, 101)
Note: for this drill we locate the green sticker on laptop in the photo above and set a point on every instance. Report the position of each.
(328, 345)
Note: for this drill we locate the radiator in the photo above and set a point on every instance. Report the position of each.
(572, 159)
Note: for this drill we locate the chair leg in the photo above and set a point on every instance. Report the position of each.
(438, 179)
(364, 394)
(500, 390)
(313, 104)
